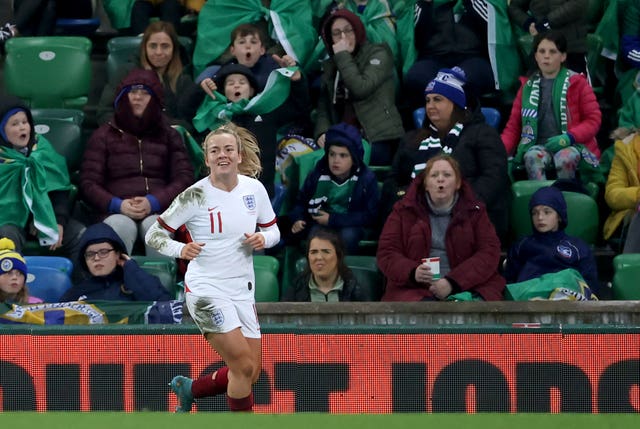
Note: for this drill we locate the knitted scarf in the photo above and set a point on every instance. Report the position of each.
(25, 183)
(431, 146)
(531, 100)
(213, 113)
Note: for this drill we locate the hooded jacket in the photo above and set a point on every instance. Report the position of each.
(550, 252)
(127, 283)
(363, 206)
(130, 157)
(368, 76)
(472, 246)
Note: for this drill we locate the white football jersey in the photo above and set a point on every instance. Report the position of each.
(220, 219)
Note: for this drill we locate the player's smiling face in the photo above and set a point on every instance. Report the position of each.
(222, 155)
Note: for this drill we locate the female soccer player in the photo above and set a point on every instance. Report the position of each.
(221, 213)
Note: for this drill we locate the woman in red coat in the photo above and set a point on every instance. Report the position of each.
(555, 116)
(440, 217)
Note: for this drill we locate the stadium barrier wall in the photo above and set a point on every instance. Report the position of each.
(525, 367)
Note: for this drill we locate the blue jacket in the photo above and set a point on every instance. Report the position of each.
(363, 206)
(128, 283)
(550, 252)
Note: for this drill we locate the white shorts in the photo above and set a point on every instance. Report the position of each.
(220, 315)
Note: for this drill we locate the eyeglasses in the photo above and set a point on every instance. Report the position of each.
(102, 253)
(346, 31)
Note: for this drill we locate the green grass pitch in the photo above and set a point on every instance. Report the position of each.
(159, 420)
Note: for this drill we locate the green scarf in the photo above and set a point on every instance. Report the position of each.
(25, 183)
(531, 100)
(213, 113)
(290, 23)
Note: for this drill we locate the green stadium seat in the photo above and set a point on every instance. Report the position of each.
(122, 52)
(267, 287)
(164, 268)
(52, 71)
(582, 211)
(626, 284)
(65, 137)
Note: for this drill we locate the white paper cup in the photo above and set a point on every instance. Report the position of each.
(434, 265)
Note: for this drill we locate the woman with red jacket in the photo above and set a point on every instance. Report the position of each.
(440, 217)
(135, 164)
(555, 116)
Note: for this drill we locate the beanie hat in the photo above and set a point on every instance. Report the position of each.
(233, 68)
(140, 79)
(551, 196)
(5, 119)
(449, 83)
(10, 259)
(343, 134)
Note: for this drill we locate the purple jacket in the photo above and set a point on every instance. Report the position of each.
(473, 248)
(118, 165)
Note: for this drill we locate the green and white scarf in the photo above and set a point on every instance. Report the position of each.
(213, 113)
(432, 146)
(531, 101)
(26, 182)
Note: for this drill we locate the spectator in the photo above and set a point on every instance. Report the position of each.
(326, 277)
(161, 52)
(567, 17)
(135, 164)
(555, 116)
(13, 275)
(446, 37)
(340, 192)
(358, 87)
(111, 274)
(549, 249)
(248, 48)
(622, 194)
(268, 114)
(451, 127)
(35, 185)
(169, 11)
(440, 217)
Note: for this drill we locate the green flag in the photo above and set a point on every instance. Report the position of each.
(26, 181)
(503, 48)
(213, 113)
(290, 23)
(119, 12)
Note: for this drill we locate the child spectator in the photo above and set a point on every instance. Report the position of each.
(555, 116)
(326, 277)
(13, 275)
(263, 116)
(35, 185)
(340, 192)
(112, 274)
(247, 47)
(549, 249)
(566, 17)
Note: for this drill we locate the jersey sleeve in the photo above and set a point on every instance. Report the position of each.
(267, 221)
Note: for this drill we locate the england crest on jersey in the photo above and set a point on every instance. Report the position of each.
(249, 201)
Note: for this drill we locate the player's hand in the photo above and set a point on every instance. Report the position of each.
(191, 250)
(255, 240)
